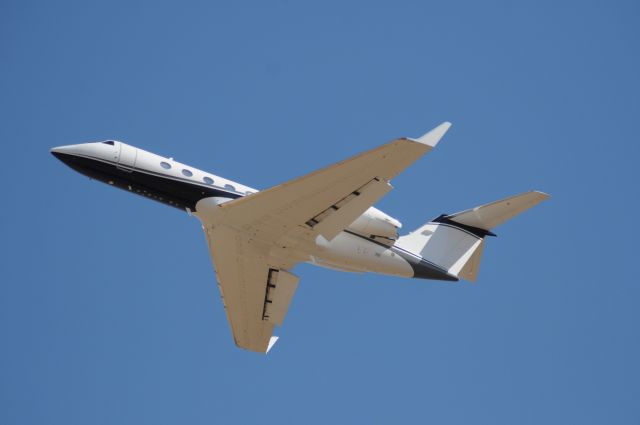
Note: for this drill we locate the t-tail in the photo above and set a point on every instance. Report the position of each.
(454, 242)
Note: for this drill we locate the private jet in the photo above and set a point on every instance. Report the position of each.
(325, 218)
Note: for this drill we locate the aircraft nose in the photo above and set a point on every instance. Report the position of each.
(65, 154)
(58, 151)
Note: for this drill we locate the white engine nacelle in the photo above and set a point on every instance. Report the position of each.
(375, 223)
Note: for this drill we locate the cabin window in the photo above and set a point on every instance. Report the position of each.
(108, 142)
(249, 192)
(228, 186)
(165, 165)
(187, 173)
(207, 180)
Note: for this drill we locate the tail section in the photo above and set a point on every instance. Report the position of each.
(455, 242)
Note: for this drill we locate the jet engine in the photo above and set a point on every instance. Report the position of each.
(377, 225)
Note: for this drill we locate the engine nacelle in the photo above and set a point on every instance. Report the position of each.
(375, 223)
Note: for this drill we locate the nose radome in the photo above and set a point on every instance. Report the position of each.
(81, 149)
(61, 151)
(69, 149)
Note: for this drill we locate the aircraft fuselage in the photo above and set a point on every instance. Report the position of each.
(182, 186)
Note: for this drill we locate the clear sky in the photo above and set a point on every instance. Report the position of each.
(109, 311)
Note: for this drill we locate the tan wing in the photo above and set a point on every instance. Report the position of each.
(330, 199)
(254, 240)
(256, 290)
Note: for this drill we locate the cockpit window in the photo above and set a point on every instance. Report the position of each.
(108, 142)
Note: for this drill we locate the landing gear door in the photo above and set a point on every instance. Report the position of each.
(126, 157)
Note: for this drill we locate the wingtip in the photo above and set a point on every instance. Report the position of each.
(542, 195)
(433, 137)
(272, 342)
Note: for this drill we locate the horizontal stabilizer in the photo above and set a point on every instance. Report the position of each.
(454, 242)
(491, 215)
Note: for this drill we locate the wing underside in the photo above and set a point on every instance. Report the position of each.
(255, 290)
(255, 240)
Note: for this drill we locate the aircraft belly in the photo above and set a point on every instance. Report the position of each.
(355, 254)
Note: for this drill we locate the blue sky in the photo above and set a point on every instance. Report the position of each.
(109, 312)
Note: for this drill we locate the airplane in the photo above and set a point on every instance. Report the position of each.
(325, 218)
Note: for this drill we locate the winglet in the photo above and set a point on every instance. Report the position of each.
(433, 137)
(272, 342)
